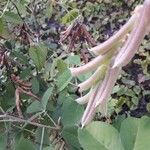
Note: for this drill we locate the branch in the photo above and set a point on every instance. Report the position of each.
(10, 118)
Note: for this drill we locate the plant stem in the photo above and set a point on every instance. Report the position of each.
(10, 118)
(42, 138)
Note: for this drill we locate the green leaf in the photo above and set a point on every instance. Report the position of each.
(137, 90)
(38, 54)
(46, 97)
(63, 95)
(3, 139)
(70, 16)
(61, 66)
(49, 9)
(3, 28)
(25, 144)
(12, 17)
(74, 60)
(35, 106)
(99, 136)
(22, 7)
(115, 89)
(64, 79)
(85, 76)
(20, 56)
(70, 134)
(135, 133)
(26, 73)
(135, 100)
(128, 82)
(48, 148)
(38, 135)
(71, 112)
(52, 68)
(123, 90)
(118, 120)
(35, 85)
(130, 93)
(8, 97)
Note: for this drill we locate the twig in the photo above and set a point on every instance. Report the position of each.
(10, 118)
(17, 95)
(23, 129)
(2, 110)
(32, 118)
(51, 119)
(1, 37)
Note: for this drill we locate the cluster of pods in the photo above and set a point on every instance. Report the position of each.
(111, 56)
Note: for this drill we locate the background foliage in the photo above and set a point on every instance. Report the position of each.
(29, 38)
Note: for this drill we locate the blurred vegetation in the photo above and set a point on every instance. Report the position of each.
(34, 63)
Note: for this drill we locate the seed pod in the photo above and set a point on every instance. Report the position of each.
(90, 109)
(147, 13)
(97, 76)
(84, 99)
(100, 96)
(92, 65)
(108, 85)
(102, 108)
(111, 42)
(65, 34)
(135, 38)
